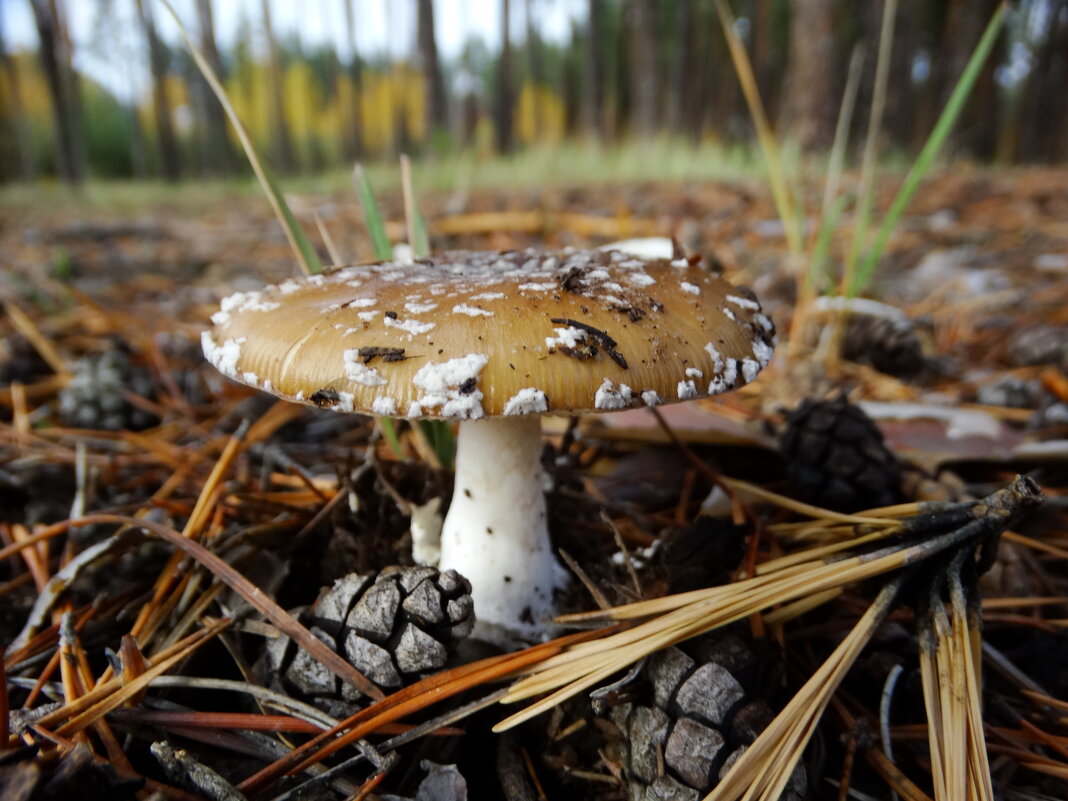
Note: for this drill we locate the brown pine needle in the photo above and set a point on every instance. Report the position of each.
(252, 594)
(764, 770)
(806, 509)
(402, 703)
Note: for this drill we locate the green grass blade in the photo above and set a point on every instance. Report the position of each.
(868, 168)
(308, 258)
(372, 215)
(441, 439)
(302, 248)
(930, 149)
(818, 273)
(389, 431)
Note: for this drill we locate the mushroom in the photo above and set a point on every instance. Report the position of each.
(494, 340)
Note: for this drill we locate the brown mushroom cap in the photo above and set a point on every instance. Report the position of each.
(473, 334)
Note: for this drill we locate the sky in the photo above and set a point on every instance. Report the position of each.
(107, 44)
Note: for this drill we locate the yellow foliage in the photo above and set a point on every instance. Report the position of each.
(33, 89)
(539, 116)
(387, 102)
(177, 100)
(247, 88)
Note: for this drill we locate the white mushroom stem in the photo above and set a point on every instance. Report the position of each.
(495, 533)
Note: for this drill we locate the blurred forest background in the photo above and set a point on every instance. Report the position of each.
(603, 71)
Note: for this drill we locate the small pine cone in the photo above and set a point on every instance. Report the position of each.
(836, 457)
(700, 709)
(394, 627)
(890, 346)
(94, 396)
(20, 361)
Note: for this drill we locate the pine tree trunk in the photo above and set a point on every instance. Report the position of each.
(593, 71)
(24, 167)
(217, 151)
(55, 62)
(534, 55)
(503, 108)
(641, 20)
(680, 93)
(976, 130)
(810, 99)
(437, 110)
(350, 137)
(281, 142)
(157, 59)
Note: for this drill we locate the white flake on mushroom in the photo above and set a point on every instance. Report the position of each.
(641, 279)
(538, 286)
(693, 289)
(384, 406)
(750, 368)
(415, 307)
(743, 303)
(356, 370)
(762, 351)
(471, 311)
(241, 302)
(442, 383)
(360, 303)
(367, 316)
(224, 357)
(686, 390)
(528, 400)
(412, 327)
(569, 337)
(608, 397)
(650, 398)
(488, 296)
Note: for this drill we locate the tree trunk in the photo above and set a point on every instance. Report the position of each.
(593, 71)
(437, 110)
(281, 142)
(535, 63)
(504, 106)
(1040, 130)
(641, 20)
(56, 63)
(157, 59)
(350, 122)
(217, 151)
(977, 126)
(810, 99)
(680, 93)
(23, 167)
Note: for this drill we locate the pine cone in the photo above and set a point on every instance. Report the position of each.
(890, 346)
(394, 627)
(94, 396)
(701, 708)
(836, 457)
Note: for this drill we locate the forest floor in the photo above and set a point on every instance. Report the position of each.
(978, 270)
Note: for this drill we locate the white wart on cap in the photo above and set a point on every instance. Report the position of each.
(510, 335)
